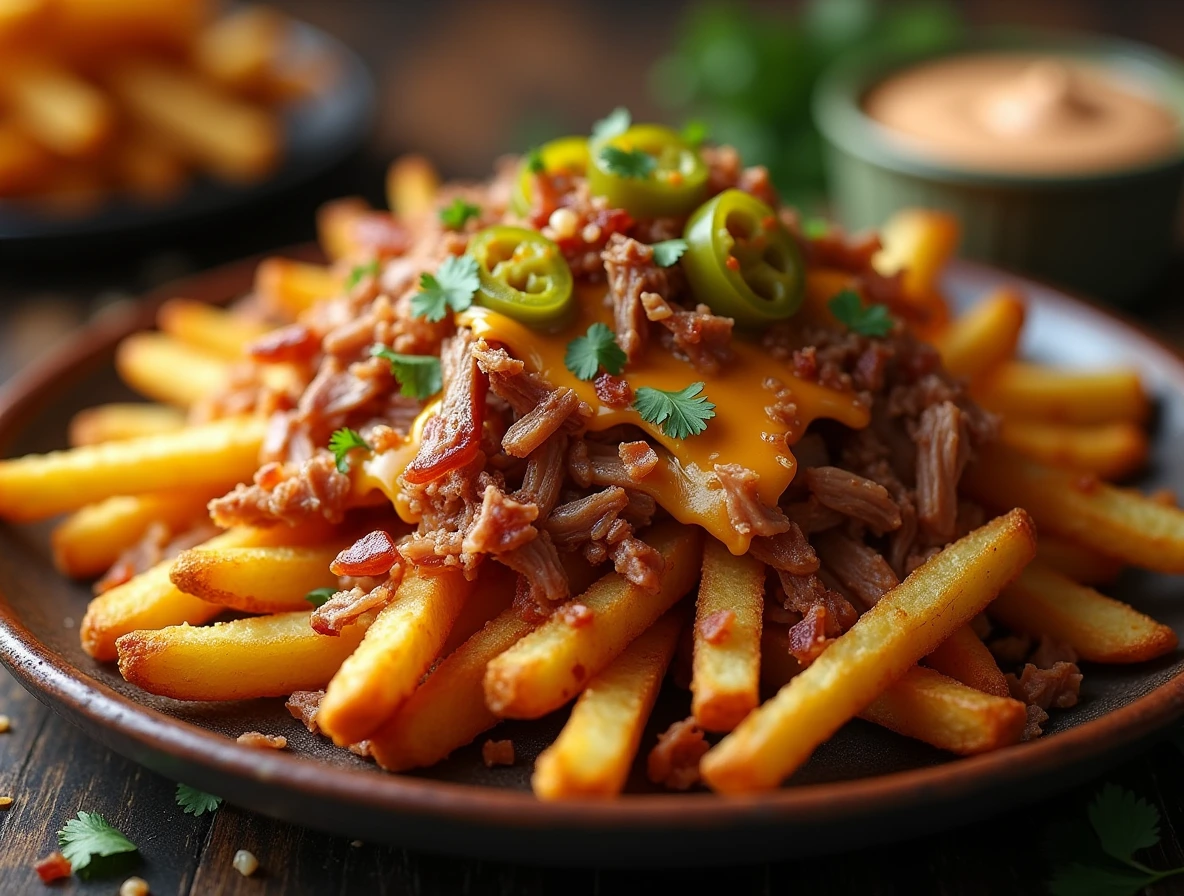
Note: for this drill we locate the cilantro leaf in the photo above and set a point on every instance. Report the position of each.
(454, 216)
(534, 160)
(89, 837)
(635, 164)
(595, 349)
(1088, 880)
(679, 414)
(1124, 823)
(452, 286)
(196, 802)
(668, 252)
(616, 122)
(318, 597)
(370, 269)
(695, 132)
(341, 443)
(815, 228)
(874, 320)
(419, 375)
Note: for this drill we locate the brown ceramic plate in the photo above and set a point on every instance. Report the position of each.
(865, 785)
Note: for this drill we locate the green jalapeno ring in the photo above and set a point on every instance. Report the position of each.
(677, 184)
(566, 155)
(523, 275)
(742, 261)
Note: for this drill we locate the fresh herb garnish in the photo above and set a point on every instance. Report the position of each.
(196, 802)
(616, 122)
(452, 286)
(318, 597)
(695, 133)
(370, 269)
(848, 307)
(89, 838)
(419, 375)
(595, 349)
(534, 160)
(454, 216)
(679, 414)
(815, 228)
(1123, 824)
(635, 164)
(668, 252)
(341, 443)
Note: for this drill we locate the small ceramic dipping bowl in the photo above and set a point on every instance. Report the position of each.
(1107, 233)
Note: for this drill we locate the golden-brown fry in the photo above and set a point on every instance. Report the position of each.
(725, 671)
(1116, 522)
(208, 328)
(288, 287)
(21, 20)
(240, 49)
(116, 422)
(1078, 563)
(214, 455)
(88, 541)
(982, 339)
(164, 369)
(552, 664)
(592, 755)
(491, 597)
(397, 651)
(147, 167)
(1100, 629)
(411, 186)
(1111, 450)
(1029, 391)
(25, 165)
(89, 29)
(918, 243)
(58, 109)
(907, 624)
(256, 579)
(965, 658)
(336, 223)
(261, 656)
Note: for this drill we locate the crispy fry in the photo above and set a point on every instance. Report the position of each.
(256, 579)
(918, 243)
(116, 422)
(289, 287)
(1100, 629)
(164, 369)
(411, 186)
(58, 109)
(965, 658)
(725, 675)
(25, 165)
(1029, 391)
(492, 597)
(90, 28)
(907, 624)
(208, 328)
(592, 755)
(552, 664)
(240, 50)
(1116, 522)
(397, 651)
(22, 19)
(147, 167)
(1111, 450)
(1077, 562)
(215, 455)
(262, 656)
(88, 541)
(982, 339)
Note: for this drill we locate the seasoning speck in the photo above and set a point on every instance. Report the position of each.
(134, 886)
(245, 863)
(5, 724)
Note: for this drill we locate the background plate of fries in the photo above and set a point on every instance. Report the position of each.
(866, 784)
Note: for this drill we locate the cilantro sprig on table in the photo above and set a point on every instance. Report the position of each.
(452, 286)
(342, 442)
(616, 122)
(668, 252)
(634, 164)
(196, 802)
(597, 348)
(455, 215)
(679, 414)
(870, 320)
(90, 843)
(419, 375)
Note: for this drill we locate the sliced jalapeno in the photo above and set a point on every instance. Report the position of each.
(523, 275)
(649, 171)
(567, 155)
(742, 261)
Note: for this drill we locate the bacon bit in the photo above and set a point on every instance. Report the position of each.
(262, 741)
(674, 760)
(497, 752)
(381, 233)
(303, 705)
(269, 475)
(361, 748)
(613, 391)
(656, 308)
(733, 263)
(294, 343)
(371, 555)
(639, 458)
(716, 627)
(452, 438)
(575, 615)
(53, 867)
(807, 639)
(1087, 483)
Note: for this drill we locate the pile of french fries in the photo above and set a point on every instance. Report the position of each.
(448, 658)
(135, 97)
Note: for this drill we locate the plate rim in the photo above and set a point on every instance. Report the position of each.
(74, 692)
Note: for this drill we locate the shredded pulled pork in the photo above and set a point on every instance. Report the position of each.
(303, 707)
(750, 516)
(346, 607)
(374, 554)
(674, 761)
(1047, 688)
(286, 493)
(854, 496)
(631, 271)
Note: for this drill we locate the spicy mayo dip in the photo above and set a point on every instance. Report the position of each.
(1025, 114)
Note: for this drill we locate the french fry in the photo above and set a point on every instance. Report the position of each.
(1100, 629)
(90, 28)
(240, 49)
(88, 541)
(164, 369)
(907, 624)
(255, 579)
(552, 664)
(1115, 522)
(117, 422)
(1077, 562)
(917, 242)
(61, 111)
(214, 455)
(261, 656)
(22, 19)
(492, 597)
(1032, 392)
(592, 755)
(411, 187)
(1111, 450)
(725, 673)
(965, 658)
(208, 328)
(25, 165)
(290, 287)
(398, 649)
(147, 167)
(349, 229)
(982, 339)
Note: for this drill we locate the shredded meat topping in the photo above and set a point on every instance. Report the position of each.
(288, 494)
(639, 458)
(674, 761)
(1047, 688)
(303, 706)
(854, 496)
(716, 627)
(631, 271)
(749, 515)
(374, 554)
(346, 607)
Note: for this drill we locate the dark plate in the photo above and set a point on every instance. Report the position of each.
(319, 133)
(865, 785)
